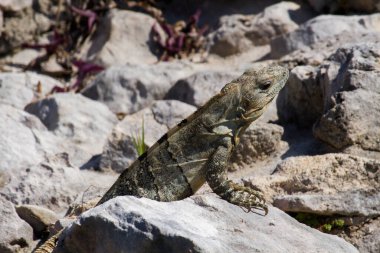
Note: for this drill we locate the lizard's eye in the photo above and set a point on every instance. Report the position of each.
(265, 85)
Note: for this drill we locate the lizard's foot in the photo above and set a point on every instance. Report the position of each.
(247, 198)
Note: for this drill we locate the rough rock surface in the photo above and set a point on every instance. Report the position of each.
(15, 234)
(128, 89)
(53, 184)
(316, 53)
(37, 217)
(122, 33)
(331, 184)
(301, 100)
(198, 88)
(127, 224)
(351, 100)
(70, 117)
(24, 140)
(260, 141)
(320, 29)
(19, 89)
(237, 33)
(119, 151)
(365, 237)
(20, 25)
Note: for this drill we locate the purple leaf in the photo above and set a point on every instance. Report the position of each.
(87, 67)
(92, 16)
(57, 89)
(50, 47)
(194, 19)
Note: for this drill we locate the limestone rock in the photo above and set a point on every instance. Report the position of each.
(24, 140)
(331, 184)
(351, 100)
(22, 25)
(15, 5)
(119, 151)
(366, 236)
(198, 88)
(16, 236)
(52, 184)
(301, 100)
(260, 141)
(37, 217)
(212, 225)
(319, 29)
(19, 89)
(237, 33)
(128, 89)
(81, 123)
(122, 37)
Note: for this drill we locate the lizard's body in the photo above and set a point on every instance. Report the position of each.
(198, 149)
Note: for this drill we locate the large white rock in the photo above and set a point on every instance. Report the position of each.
(323, 28)
(122, 37)
(197, 224)
(238, 33)
(53, 184)
(19, 89)
(331, 184)
(24, 140)
(81, 124)
(16, 236)
(198, 88)
(128, 89)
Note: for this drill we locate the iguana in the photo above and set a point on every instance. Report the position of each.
(197, 150)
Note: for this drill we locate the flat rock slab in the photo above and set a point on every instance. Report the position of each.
(81, 124)
(15, 234)
(331, 184)
(198, 224)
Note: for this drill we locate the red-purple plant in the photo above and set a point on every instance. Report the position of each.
(181, 39)
(89, 14)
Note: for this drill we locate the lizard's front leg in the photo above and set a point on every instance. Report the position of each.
(216, 176)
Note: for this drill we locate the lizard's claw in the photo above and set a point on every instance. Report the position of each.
(248, 198)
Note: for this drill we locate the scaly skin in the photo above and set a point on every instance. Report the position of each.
(198, 149)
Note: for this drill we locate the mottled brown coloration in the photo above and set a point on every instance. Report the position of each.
(198, 149)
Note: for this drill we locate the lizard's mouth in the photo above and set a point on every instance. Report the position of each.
(254, 113)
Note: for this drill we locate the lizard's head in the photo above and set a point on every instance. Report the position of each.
(259, 87)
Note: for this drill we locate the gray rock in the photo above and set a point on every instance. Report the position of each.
(15, 5)
(16, 236)
(331, 184)
(301, 100)
(237, 33)
(318, 52)
(258, 142)
(347, 6)
(122, 37)
(22, 25)
(128, 89)
(351, 100)
(130, 224)
(19, 89)
(81, 124)
(352, 123)
(119, 152)
(37, 217)
(198, 88)
(53, 184)
(366, 236)
(320, 29)
(24, 140)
